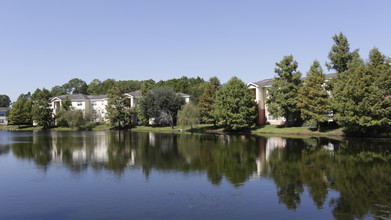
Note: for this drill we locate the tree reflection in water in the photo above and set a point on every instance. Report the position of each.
(359, 169)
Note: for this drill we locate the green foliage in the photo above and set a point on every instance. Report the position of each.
(57, 91)
(189, 115)
(283, 94)
(340, 55)
(20, 112)
(234, 107)
(207, 100)
(191, 86)
(162, 104)
(76, 86)
(314, 99)
(41, 111)
(362, 96)
(72, 119)
(118, 111)
(5, 101)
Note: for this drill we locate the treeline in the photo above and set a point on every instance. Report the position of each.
(358, 97)
(191, 86)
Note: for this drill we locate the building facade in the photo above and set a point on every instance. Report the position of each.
(3, 116)
(95, 105)
(261, 93)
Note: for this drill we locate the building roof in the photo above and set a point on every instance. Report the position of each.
(97, 96)
(4, 109)
(135, 94)
(268, 82)
(75, 97)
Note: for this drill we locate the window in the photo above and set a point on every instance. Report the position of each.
(79, 103)
(2, 113)
(94, 103)
(1, 121)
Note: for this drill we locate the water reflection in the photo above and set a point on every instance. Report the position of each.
(359, 170)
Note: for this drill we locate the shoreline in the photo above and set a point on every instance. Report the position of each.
(265, 130)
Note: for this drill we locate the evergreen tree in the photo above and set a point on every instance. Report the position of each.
(340, 54)
(207, 100)
(363, 103)
(189, 115)
(283, 94)
(234, 107)
(118, 112)
(41, 111)
(313, 97)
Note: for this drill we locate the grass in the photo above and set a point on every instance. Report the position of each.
(275, 129)
(202, 128)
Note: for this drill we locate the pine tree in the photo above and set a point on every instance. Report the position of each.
(363, 102)
(283, 94)
(340, 54)
(234, 107)
(207, 101)
(314, 99)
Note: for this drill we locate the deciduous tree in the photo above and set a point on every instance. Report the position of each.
(162, 104)
(5, 101)
(189, 115)
(234, 107)
(41, 111)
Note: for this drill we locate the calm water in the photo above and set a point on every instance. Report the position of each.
(92, 175)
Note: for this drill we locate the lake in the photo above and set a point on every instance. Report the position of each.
(127, 175)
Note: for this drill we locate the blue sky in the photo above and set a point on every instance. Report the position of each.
(47, 43)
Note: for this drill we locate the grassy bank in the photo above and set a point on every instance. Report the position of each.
(305, 131)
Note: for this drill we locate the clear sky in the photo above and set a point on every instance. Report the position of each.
(47, 43)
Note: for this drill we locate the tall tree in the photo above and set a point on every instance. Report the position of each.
(20, 112)
(76, 86)
(41, 111)
(234, 107)
(161, 103)
(118, 112)
(58, 90)
(363, 102)
(95, 87)
(207, 100)
(5, 101)
(283, 94)
(313, 97)
(340, 54)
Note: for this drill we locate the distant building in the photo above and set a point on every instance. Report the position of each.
(3, 116)
(88, 104)
(96, 104)
(260, 93)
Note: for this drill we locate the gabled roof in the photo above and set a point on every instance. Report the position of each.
(269, 82)
(79, 97)
(134, 94)
(4, 109)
